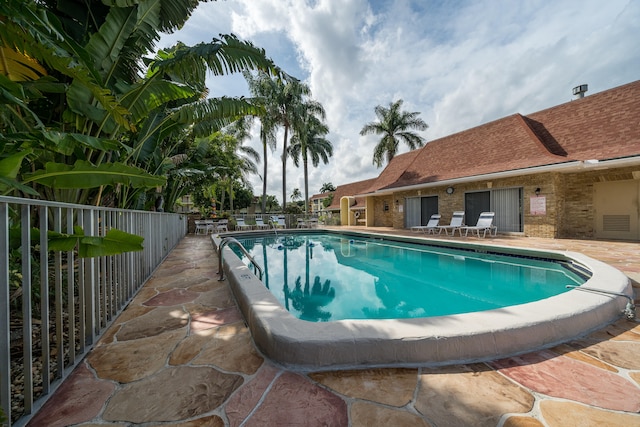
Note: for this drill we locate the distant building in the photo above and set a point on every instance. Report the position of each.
(572, 170)
(186, 205)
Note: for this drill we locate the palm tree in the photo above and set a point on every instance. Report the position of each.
(327, 187)
(295, 194)
(260, 87)
(394, 125)
(309, 141)
(283, 102)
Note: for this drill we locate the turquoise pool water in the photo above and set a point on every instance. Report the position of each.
(325, 277)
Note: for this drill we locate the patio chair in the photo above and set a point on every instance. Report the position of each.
(241, 225)
(222, 225)
(201, 227)
(211, 226)
(485, 223)
(312, 222)
(278, 222)
(260, 225)
(302, 223)
(431, 227)
(456, 222)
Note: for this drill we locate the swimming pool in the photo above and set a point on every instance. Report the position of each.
(326, 277)
(435, 340)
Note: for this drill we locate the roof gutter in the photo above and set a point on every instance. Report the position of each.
(568, 167)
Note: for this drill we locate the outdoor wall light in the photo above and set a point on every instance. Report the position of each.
(538, 191)
(397, 203)
(450, 190)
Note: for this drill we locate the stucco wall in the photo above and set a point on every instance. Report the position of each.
(577, 200)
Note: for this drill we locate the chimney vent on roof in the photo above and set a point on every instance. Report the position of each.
(579, 91)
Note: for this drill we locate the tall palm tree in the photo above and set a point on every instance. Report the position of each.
(309, 142)
(260, 87)
(394, 125)
(283, 101)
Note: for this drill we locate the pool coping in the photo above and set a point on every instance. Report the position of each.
(460, 338)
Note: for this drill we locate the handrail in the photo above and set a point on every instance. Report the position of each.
(226, 241)
(629, 310)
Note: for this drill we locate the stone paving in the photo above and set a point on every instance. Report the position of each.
(180, 355)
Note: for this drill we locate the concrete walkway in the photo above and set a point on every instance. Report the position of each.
(181, 355)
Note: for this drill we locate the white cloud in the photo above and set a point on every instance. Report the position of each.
(460, 64)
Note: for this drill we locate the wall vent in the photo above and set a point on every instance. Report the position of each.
(616, 223)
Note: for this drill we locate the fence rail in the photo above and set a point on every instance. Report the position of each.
(55, 305)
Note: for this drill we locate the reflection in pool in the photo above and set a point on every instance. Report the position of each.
(325, 277)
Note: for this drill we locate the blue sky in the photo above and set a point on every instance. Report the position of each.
(459, 63)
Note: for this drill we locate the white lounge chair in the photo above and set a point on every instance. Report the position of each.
(485, 223)
(312, 222)
(241, 225)
(302, 223)
(457, 221)
(431, 227)
(260, 225)
(278, 222)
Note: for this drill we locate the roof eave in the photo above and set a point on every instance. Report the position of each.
(561, 168)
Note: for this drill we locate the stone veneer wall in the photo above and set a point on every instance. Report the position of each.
(569, 201)
(384, 218)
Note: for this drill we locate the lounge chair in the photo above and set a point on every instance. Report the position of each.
(302, 223)
(485, 223)
(456, 222)
(241, 225)
(431, 227)
(260, 225)
(312, 222)
(278, 222)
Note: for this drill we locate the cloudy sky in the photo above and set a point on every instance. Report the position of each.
(459, 63)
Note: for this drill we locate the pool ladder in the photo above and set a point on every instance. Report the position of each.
(228, 240)
(629, 310)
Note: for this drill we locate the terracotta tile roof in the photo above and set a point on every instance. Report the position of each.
(320, 195)
(359, 187)
(601, 126)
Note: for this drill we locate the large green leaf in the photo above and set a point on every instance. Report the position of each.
(221, 56)
(8, 185)
(10, 166)
(152, 93)
(19, 67)
(84, 175)
(33, 30)
(113, 243)
(173, 13)
(211, 115)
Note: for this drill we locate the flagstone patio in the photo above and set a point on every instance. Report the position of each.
(181, 355)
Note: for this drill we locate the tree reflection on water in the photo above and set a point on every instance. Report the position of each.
(309, 301)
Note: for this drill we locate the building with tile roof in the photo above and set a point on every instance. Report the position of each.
(572, 170)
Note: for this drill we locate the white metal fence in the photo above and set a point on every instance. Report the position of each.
(54, 305)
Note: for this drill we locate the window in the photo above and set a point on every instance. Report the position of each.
(505, 202)
(419, 210)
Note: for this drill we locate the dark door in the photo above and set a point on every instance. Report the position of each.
(429, 206)
(474, 204)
